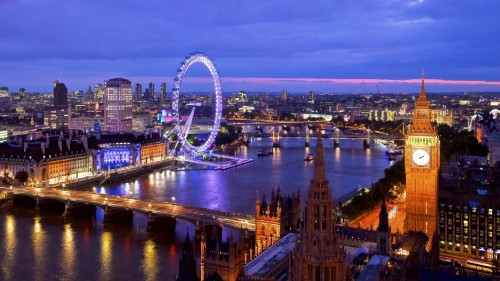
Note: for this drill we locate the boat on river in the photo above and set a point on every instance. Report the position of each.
(262, 153)
(309, 157)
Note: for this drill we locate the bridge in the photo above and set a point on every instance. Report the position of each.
(246, 122)
(119, 207)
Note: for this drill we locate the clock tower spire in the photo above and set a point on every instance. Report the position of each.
(422, 151)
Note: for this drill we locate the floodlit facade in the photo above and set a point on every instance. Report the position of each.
(117, 105)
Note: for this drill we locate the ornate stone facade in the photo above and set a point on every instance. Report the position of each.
(422, 152)
(318, 253)
(275, 218)
(221, 261)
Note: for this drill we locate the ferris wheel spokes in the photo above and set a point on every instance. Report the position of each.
(182, 132)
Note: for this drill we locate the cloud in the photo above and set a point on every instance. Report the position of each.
(344, 39)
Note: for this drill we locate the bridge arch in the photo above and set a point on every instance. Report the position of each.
(21, 200)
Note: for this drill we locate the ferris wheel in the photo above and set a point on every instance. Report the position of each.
(182, 131)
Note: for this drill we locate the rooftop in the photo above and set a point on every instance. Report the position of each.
(272, 256)
(372, 269)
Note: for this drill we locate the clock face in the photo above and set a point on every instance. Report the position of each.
(420, 157)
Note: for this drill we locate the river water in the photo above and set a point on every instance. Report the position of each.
(46, 246)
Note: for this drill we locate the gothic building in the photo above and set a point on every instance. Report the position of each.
(275, 218)
(383, 232)
(187, 262)
(221, 261)
(318, 253)
(422, 168)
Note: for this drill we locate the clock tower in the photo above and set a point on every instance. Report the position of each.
(422, 169)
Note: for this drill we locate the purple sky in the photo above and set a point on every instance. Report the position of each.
(256, 45)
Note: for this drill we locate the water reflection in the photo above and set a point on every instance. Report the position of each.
(10, 247)
(68, 251)
(106, 256)
(38, 238)
(150, 260)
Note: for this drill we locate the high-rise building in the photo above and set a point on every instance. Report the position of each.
(311, 96)
(318, 253)
(60, 94)
(138, 91)
(4, 92)
(99, 91)
(151, 90)
(117, 105)
(422, 168)
(163, 92)
(22, 93)
(284, 95)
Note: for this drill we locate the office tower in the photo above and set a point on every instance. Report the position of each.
(99, 91)
(4, 92)
(60, 94)
(117, 105)
(151, 91)
(22, 93)
(138, 91)
(311, 96)
(284, 95)
(163, 92)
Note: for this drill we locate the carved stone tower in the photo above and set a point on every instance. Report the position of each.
(187, 262)
(422, 152)
(275, 218)
(221, 260)
(267, 223)
(318, 253)
(383, 232)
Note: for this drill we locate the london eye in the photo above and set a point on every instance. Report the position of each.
(182, 130)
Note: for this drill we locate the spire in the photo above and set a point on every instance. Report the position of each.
(422, 97)
(187, 247)
(319, 160)
(383, 218)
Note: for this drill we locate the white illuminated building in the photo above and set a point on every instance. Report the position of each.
(117, 105)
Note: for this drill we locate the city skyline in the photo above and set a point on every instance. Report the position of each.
(324, 47)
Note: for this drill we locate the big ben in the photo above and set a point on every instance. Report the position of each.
(422, 151)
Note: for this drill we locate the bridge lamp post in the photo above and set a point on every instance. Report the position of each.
(149, 207)
(173, 198)
(63, 185)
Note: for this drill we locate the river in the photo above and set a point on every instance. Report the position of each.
(45, 246)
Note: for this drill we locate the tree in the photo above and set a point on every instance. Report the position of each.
(21, 176)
